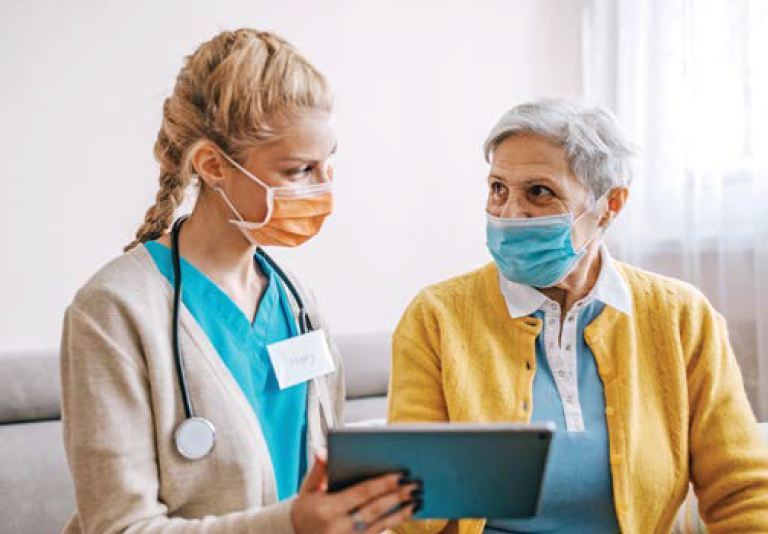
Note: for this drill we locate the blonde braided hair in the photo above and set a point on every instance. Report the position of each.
(233, 90)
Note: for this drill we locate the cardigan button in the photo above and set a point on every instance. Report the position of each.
(615, 459)
(528, 365)
(609, 411)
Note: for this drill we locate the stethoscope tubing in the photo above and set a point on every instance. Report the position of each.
(189, 412)
(192, 422)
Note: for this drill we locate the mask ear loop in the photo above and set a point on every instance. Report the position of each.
(583, 248)
(599, 228)
(270, 198)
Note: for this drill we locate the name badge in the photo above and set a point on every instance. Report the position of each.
(301, 358)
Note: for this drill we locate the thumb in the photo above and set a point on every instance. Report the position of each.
(317, 478)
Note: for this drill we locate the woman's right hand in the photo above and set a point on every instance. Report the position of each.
(379, 504)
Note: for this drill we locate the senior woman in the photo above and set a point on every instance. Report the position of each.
(635, 369)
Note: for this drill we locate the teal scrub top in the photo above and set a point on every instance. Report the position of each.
(577, 494)
(242, 346)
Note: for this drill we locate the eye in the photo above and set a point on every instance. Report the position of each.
(498, 189)
(540, 192)
(300, 172)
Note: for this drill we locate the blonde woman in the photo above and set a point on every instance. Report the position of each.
(177, 422)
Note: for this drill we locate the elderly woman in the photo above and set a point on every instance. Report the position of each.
(635, 369)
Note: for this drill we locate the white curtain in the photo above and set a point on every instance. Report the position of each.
(688, 80)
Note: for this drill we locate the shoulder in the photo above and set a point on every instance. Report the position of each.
(457, 287)
(114, 316)
(131, 279)
(664, 295)
(448, 297)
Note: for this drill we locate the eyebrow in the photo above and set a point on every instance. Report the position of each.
(527, 180)
(303, 159)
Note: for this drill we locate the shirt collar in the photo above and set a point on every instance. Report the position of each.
(611, 289)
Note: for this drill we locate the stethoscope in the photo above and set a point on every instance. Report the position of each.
(196, 436)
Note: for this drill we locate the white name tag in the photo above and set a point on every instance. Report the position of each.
(301, 358)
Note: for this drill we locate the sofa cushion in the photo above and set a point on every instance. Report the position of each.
(366, 363)
(365, 410)
(30, 386)
(37, 491)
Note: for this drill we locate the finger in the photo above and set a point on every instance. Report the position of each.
(378, 508)
(358, 495)
(390, 503)
(392, 520)
(321, 453)
(317, 478)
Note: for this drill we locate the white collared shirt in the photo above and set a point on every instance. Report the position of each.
(610, 289)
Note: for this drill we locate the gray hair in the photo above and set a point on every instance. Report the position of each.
(595, 147)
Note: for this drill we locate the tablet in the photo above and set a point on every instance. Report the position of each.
(490, 471)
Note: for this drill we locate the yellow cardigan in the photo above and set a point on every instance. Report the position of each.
(675, 402)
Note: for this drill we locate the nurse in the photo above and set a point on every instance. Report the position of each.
(248, 129)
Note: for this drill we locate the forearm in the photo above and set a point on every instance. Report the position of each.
(275, 519)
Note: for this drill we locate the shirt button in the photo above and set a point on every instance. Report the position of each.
(571, 318)
(569, 399)
(567, 347)
(561, 373)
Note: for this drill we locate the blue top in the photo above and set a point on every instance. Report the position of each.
(243, 348)
(577, 494)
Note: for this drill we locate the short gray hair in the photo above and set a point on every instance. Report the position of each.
(596, 149)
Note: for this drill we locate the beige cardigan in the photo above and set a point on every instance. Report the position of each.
(121, 405)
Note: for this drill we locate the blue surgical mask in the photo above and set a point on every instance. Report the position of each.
(536, 252)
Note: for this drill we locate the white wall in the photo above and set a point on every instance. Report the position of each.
(419, 83)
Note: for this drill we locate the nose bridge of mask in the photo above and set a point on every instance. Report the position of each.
(303, 207)
(561, 220)
(303, 192)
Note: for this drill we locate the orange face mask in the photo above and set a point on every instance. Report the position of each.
(294, 215)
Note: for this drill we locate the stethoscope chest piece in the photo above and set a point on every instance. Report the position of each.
(195, 438)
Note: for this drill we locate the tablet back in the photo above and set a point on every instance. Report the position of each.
(491, 471)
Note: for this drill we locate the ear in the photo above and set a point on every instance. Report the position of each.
(615, 201)
(207, 162)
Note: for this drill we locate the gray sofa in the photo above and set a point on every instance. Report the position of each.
(36, 495)
(35, 489)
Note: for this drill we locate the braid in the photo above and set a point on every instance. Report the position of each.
(160, 216)
(171, 193)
